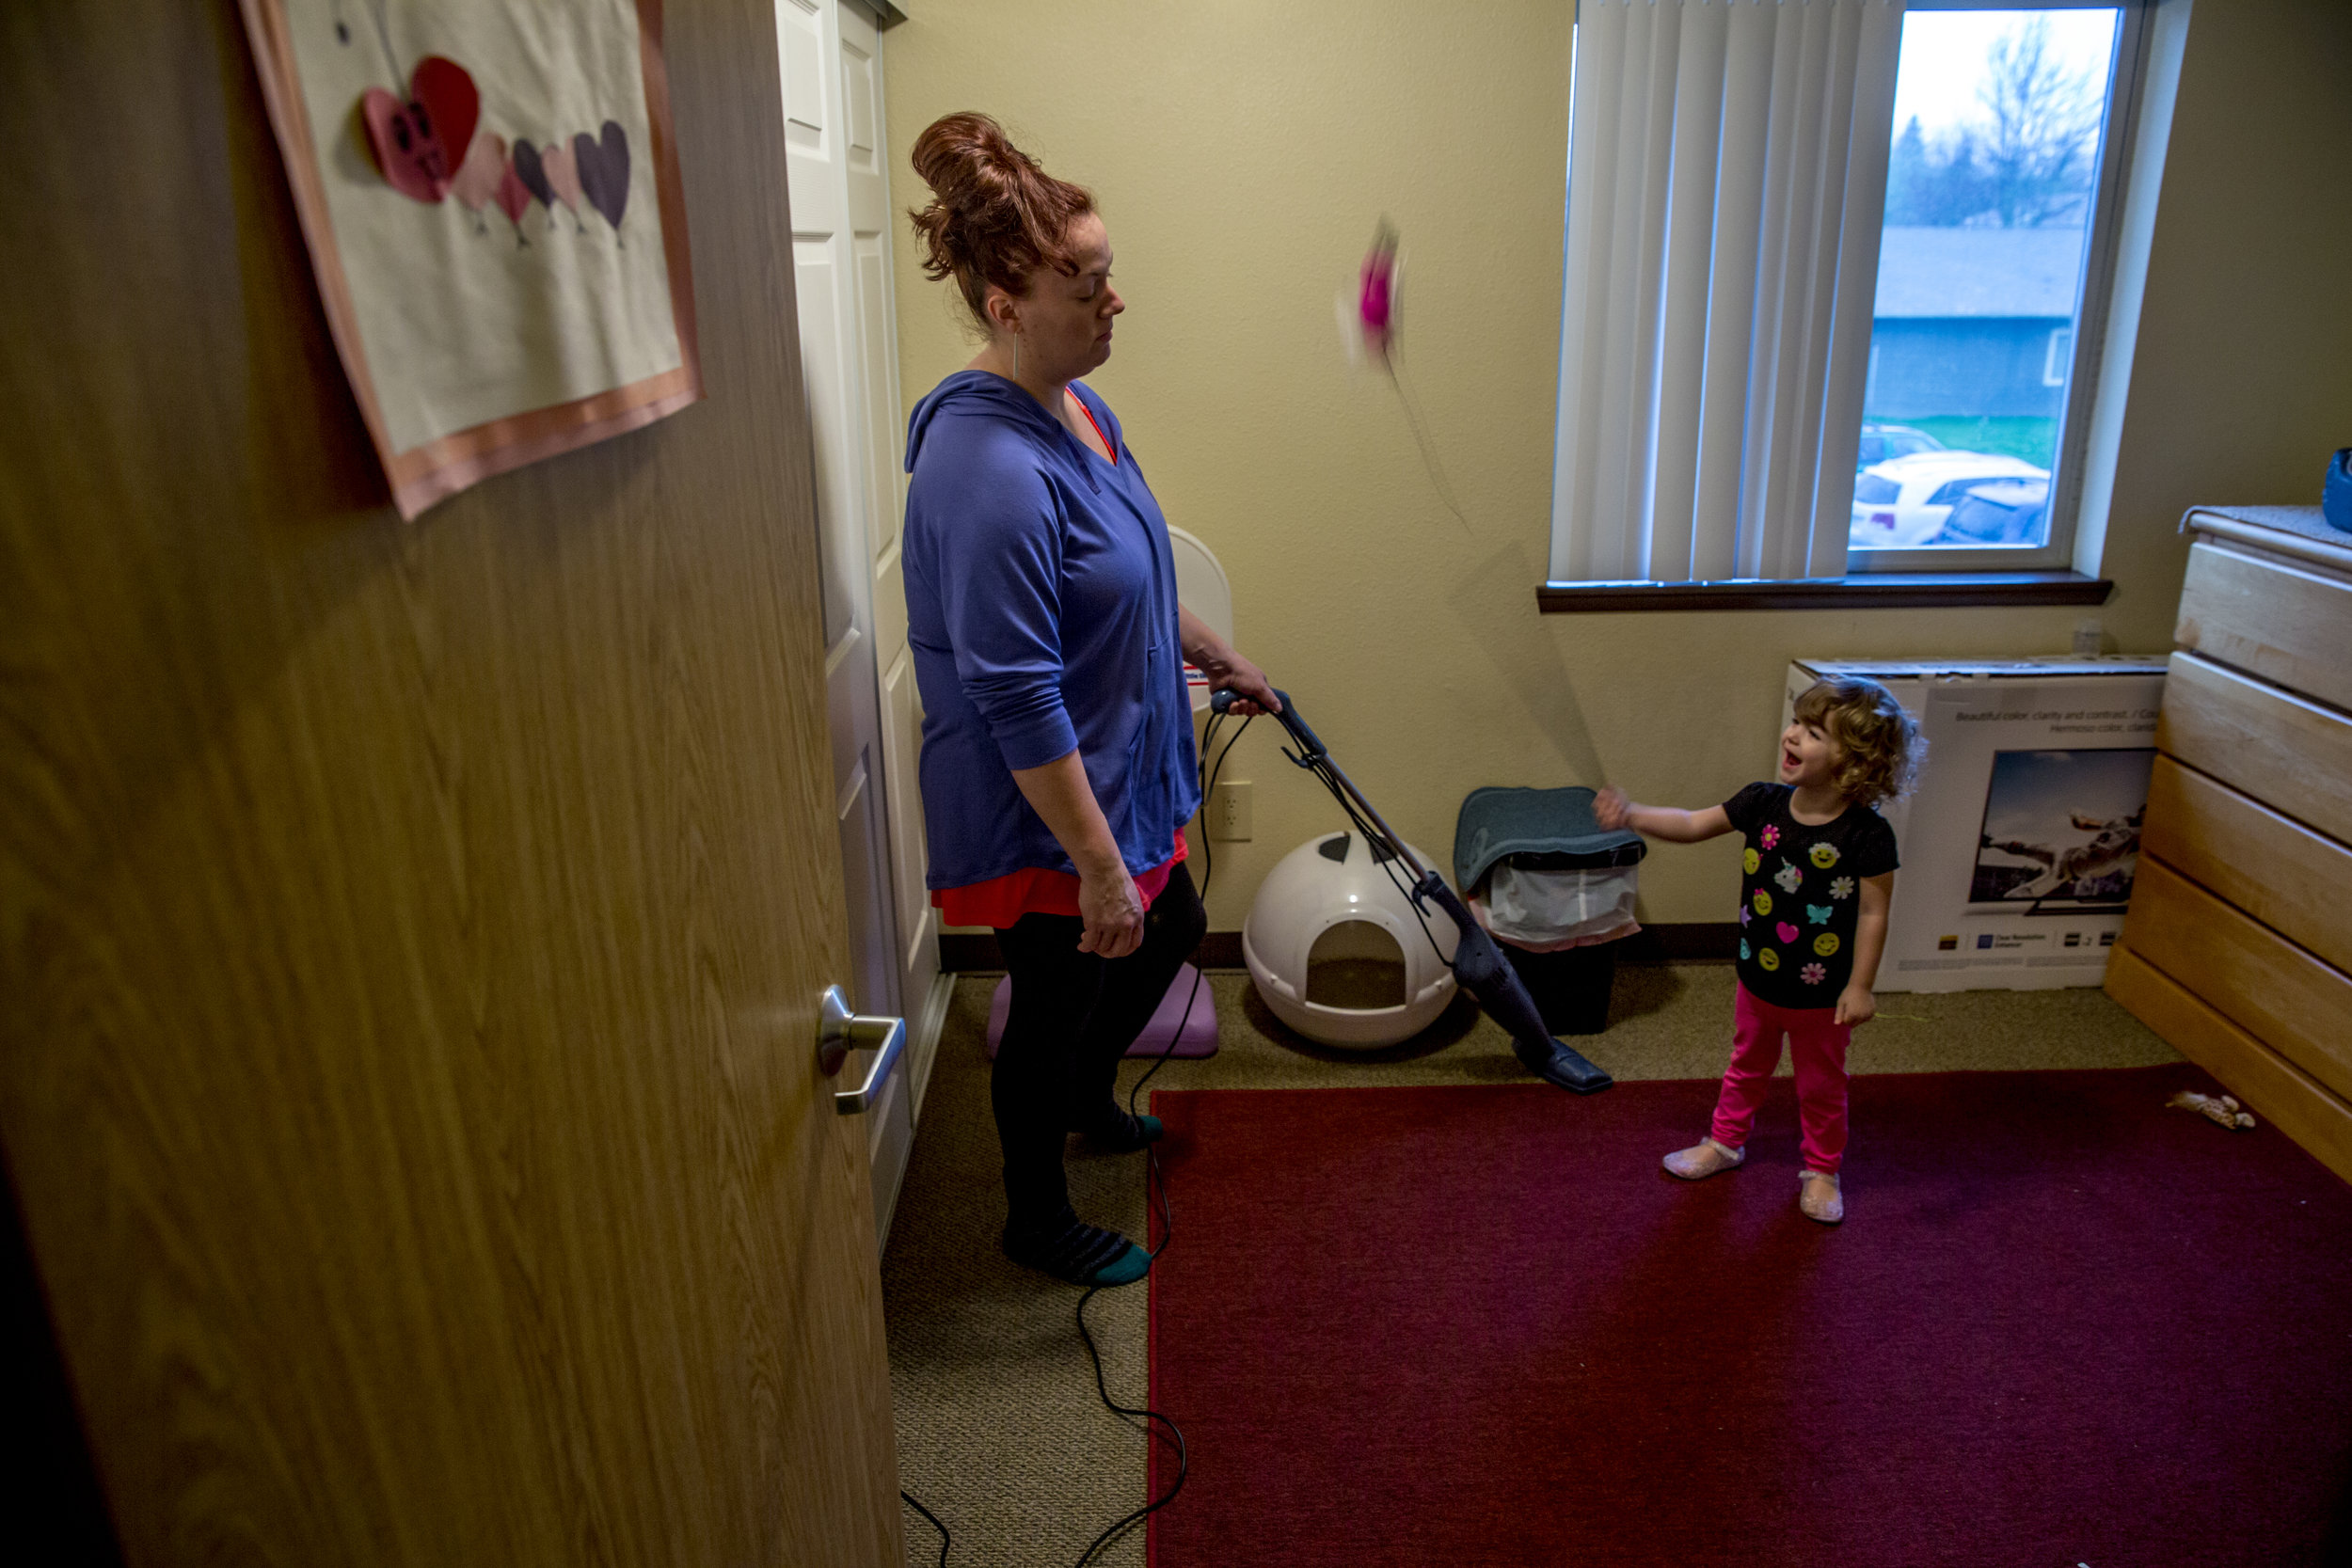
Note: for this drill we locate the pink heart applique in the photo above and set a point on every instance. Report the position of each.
(412, 141)
(512, 198)
(479, 177)
(1785, 931)
(563, 173)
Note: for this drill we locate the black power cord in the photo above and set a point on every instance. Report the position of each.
(944, 1539)
(1157, 1184)
(1157, 1181)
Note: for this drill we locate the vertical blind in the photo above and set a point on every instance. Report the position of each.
(1727, 185)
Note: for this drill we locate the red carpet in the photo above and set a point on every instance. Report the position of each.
(2060, 1325)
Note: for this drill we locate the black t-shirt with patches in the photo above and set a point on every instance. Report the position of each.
(1800, 896)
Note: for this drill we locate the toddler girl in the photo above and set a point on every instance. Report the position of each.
(1820, 873)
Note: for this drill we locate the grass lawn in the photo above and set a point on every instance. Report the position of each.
(2033, 439)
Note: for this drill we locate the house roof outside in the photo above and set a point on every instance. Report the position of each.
(1978, 272)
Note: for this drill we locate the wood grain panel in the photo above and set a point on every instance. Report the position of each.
(2292, 879)
(2274, 1088)
(412, 933)
(2287, 751)
(2269, 541)
(2290, 624)
(2298, 1006)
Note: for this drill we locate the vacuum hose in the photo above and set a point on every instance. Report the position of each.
(1478, 964)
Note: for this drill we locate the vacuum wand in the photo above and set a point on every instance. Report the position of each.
(1477, 963)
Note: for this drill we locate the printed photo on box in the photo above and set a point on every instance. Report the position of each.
(2061, 829)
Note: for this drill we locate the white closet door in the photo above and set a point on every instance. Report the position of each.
(876, 321)
(840, 258)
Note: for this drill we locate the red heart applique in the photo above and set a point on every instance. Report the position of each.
(421, 144)
(1785, 931)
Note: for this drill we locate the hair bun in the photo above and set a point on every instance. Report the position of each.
(996, 215)
(959, 155)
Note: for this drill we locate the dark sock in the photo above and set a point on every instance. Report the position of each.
(1117, 1131)
(1069, 1249)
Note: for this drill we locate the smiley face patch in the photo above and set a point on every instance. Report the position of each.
(1825, 944)
(1822, 855)
(1767, 959)
(1763, 902)
(1751, 860)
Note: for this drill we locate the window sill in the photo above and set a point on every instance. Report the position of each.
(1862, 590)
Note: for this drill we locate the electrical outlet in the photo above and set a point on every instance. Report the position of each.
(1228, 812)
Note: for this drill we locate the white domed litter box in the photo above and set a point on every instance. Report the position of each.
(1337, 953)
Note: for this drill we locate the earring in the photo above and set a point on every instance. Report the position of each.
(1016, 351)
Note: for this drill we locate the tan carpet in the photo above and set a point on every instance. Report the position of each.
(999, 1432)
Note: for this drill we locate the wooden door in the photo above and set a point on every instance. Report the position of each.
(412, 935)
(841, 217)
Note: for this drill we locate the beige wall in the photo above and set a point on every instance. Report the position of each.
(1242, 151)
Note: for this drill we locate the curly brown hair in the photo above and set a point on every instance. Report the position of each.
(1881, 743)
(996, 215)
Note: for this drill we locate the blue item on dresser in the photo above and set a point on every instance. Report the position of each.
(2335, 497)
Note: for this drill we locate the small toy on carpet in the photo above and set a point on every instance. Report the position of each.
(2217, 1108)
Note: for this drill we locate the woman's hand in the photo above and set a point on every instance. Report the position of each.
(1059, 792)
(1227, 670)
(1857, 1005)
(1113, 912)
(1252, 693)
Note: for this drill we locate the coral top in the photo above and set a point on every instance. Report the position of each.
(1034, 890)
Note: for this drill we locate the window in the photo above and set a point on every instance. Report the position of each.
(1833, 273)
(1992, 191)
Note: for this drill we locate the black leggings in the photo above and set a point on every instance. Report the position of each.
(1073, 1016)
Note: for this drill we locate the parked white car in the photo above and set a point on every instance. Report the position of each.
(1901, 503)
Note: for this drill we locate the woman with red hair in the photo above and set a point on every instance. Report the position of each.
(1057, 766)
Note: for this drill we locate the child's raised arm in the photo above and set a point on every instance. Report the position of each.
(1675, 826)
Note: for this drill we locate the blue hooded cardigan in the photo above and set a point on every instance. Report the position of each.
(1042, 612)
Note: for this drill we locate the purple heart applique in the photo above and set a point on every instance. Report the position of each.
(604, 170)
(1785, 931)
(532, 174)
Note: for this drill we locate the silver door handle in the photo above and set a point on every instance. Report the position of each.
(840, 1031)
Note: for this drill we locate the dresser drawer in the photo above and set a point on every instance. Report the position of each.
(2275, 1089)
(2294, 880)
(2287, 751)
(2298, 1006)
(2290, 624)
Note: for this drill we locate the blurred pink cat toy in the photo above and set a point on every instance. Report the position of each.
(1368, 322)
(1368, 329)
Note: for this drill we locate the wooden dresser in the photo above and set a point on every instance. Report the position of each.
(2238, 946)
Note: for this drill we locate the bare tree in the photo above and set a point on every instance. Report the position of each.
(2038, 157)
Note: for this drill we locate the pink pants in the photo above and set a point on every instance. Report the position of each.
(1819, 1047)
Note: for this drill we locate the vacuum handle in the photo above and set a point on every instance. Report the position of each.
(1222, 701)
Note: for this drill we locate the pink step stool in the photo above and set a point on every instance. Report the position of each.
(1197, 1039)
